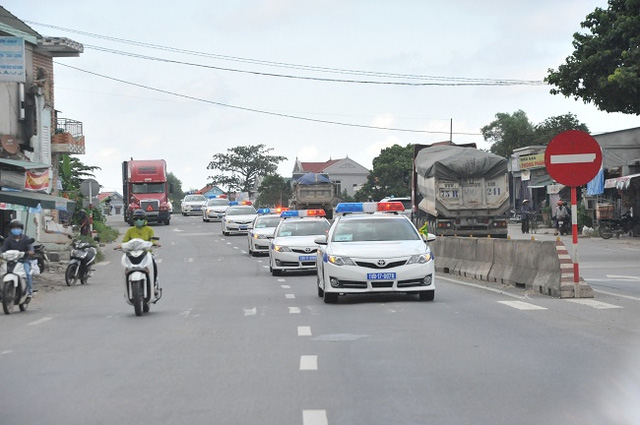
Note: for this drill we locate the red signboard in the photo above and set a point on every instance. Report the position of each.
(573, 158)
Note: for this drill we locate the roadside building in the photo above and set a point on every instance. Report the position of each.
(32, 135)
(345, 173)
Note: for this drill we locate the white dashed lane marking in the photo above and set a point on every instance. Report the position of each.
(521, 305)
(40, 321)
(599, 305)
(289, 296)
(308, 362)
(294, 310)
(304, 330)
(314, 417)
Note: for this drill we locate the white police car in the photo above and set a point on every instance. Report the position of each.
(214, 208)
(192, 204)
(292, 247)
(262, 229)
(368, 252)
(238, 218)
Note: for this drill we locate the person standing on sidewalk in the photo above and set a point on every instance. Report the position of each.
(525, 213)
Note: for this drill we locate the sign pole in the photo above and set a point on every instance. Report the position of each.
(574, 231)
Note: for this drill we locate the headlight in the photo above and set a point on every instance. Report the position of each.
(420, 259)
(341, 261)
(259, 236)
(281, 248)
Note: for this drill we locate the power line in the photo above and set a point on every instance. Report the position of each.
(478, 81)
(242, 108)
(333, 80)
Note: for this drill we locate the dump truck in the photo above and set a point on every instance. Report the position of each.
(313, 191)
(460, 190)
(145, 187)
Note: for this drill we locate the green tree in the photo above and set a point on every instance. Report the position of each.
(508, 132)
(241, 165)
(177, 194)
(604, 68)
(551, 127)
(73, 172)
(274, 191)
(391, 174)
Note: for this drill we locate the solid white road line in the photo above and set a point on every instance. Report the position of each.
(314, 417)
(304, 330)
(308, 362)
(40, 321)
(294, 310)
(593, 303)
(521, 305)
(629, 297)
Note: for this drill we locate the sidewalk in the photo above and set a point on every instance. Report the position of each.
(547, 234)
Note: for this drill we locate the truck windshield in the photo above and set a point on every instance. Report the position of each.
(148, 188)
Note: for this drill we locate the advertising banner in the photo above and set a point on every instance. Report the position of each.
(12, 60)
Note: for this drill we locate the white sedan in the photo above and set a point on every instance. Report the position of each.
(293, 247)
(214, 209)
(372, 253)
(261, 233)
(238, 219)
(192, 204)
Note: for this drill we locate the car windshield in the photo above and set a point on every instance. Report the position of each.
(148, 188)
(240, 210)
(195, 198)
(217, 202)
(264, 222)
(374, 230)
(303, 228)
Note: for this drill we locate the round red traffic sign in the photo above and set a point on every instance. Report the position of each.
(573, 158)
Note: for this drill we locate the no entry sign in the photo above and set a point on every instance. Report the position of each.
(573, 158)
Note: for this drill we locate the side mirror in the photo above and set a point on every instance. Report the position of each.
(321, 240)
(430, 237)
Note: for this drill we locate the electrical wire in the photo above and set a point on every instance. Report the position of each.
(333, 80)
(467, 80)
(242, 108)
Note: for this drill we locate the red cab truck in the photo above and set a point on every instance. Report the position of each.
(145, 187)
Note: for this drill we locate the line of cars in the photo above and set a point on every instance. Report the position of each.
(369, 247)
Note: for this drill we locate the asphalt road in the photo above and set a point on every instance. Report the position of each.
(230, 344)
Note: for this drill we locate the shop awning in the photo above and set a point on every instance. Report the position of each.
(22, 165)
(540, 181)
(33, 199)
(620, 182)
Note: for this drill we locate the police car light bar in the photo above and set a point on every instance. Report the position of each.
(217, 196)
(302, 213)
(277, 210)
(368, 207)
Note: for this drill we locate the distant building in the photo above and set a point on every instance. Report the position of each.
(117, 201)
(345, 173)
(210, 190)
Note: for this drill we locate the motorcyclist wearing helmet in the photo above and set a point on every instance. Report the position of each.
(561, 214)
(18, 241)
(140, 230)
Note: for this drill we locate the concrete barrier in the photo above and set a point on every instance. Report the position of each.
(541, 266)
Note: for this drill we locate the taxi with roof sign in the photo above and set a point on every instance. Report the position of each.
(292, 247)
(372, 247)
(262, 229)
(238, 217)
(214, 208)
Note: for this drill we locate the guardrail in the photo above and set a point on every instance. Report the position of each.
(541, 266)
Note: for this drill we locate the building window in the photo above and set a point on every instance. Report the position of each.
(338, 187)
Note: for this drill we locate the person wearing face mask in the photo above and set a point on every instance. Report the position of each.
(17, 240)
(140, 230)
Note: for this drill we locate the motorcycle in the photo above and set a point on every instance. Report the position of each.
(626, 224)
(564, 225)
(140, 279)
(41, 257)
(14, 281)
(83, 255)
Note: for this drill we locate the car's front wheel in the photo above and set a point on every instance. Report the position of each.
(427, 295)
(330, 297)
(320, 290)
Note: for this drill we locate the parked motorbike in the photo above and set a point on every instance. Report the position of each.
(626, 224)
(564, 225)
(83, 256)
(14, 281)
(140, 288)
(41, 257)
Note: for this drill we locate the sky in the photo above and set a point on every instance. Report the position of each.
(297, 75)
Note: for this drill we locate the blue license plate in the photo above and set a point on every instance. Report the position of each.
(243, 227)
(381, 276)
(307, 258)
